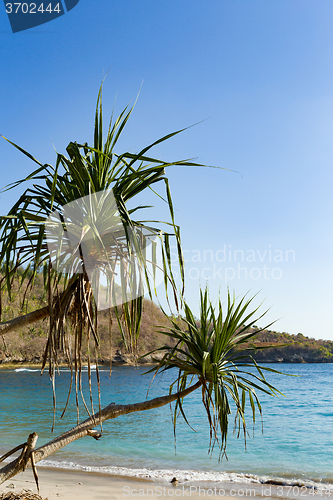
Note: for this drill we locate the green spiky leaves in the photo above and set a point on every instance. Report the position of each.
(216, 349)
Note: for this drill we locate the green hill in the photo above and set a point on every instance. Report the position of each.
(27, 344)
(299, 348)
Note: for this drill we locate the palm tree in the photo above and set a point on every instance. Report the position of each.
(211, 354)
(89, 172)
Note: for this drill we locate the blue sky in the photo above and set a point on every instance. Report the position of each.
(258, 75)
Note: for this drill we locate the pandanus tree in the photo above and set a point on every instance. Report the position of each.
(108, 182)
(80, 227)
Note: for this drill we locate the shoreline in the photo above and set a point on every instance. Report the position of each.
(187, 475)
(73, 485)
(12, 365)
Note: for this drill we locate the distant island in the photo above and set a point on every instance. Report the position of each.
(26, 345)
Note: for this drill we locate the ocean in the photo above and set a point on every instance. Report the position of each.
(296, 444)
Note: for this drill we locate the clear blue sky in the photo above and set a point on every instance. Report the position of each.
(260, 75)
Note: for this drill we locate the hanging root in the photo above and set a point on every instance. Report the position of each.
(73, 328)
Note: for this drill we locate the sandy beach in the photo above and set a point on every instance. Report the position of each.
(71, 485)
(76, 485)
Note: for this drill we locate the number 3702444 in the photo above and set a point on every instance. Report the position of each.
(32, 8)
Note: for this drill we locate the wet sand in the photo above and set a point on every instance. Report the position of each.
(72, 485)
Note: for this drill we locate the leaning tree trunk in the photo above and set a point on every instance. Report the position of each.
(27, 319)
(85, 429)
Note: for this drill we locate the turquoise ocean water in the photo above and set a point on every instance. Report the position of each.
(296, 444)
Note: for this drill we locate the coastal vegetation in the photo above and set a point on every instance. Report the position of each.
(211, 354)
(26, 344)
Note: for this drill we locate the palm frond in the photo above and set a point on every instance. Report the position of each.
(214, 349)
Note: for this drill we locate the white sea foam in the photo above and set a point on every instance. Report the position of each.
(166, 475)
(27, 369)
(62, 370)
